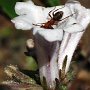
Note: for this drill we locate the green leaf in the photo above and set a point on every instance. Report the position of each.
(54, 2)
(31, 64)
(8, 7)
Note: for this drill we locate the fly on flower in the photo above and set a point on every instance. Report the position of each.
(55, 18)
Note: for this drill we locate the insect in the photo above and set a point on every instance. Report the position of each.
(55, 18)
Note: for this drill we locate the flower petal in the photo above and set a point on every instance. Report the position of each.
(82, 13)
(50, 34)
(71, 26)
(22, 22)
(70, 40)
(68, 47)
(23, 7)
(74, 28)
(86, 18)
(28, 8)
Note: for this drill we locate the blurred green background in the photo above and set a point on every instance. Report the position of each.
(13, 42)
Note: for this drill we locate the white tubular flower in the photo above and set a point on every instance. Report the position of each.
(73, 32)
(73, 20)
(30, 14)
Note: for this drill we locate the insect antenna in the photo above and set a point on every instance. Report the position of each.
(66, 17)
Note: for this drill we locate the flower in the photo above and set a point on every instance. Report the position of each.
(68, 31)
(30, 14)
(71, 40)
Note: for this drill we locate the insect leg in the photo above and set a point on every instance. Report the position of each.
(58, 9)
(50, 13)
(38, 24)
